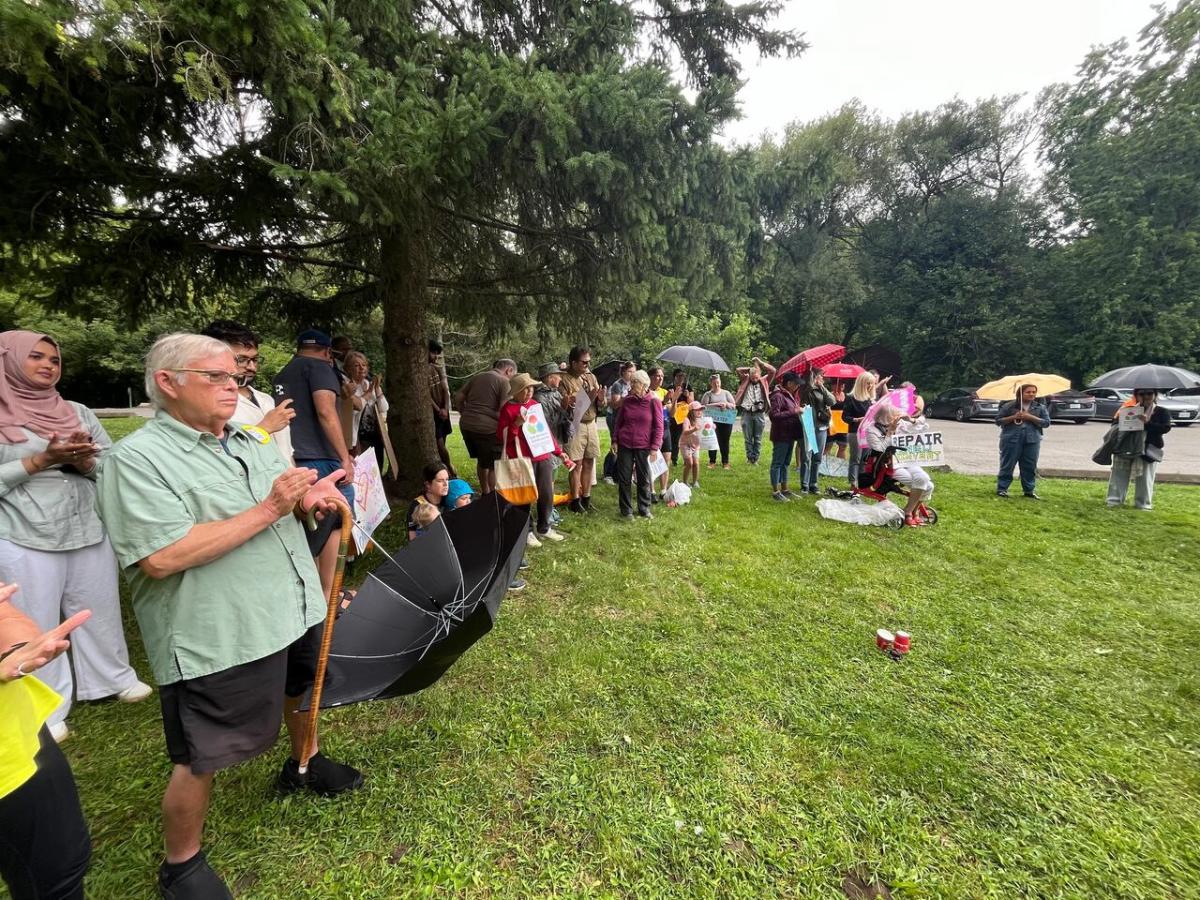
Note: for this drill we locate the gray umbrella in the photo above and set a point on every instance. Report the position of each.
(1158, 378)
(696, 357)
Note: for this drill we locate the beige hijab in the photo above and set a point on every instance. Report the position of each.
(24, 404)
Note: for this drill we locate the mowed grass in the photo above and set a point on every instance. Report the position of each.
(694, 707)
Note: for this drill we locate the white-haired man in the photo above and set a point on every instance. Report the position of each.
(200, 513)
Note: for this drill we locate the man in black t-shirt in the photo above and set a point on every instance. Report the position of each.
(311, 383)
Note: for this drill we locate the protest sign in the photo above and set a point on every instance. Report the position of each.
(370, 503)
(722, 416)
(708, 434)
(922, 448)
(537, 432)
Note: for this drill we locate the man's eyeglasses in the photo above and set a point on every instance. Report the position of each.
(245, 360)
(212, 376)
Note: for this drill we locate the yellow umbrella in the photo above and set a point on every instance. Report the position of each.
(1006, 388)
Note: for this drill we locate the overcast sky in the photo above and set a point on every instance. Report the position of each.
(899, 56)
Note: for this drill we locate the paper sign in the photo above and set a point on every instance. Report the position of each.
(810, 429)
(922, 448)
(681, 412)
(658, 467)
(370, 504)
(708, 434)
(724, 416)
(1129, 418)
(582, 404)
(537, 431)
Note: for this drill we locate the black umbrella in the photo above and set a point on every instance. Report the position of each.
(607, 373)
(696, 357)
(1151, 377)
(421, 610)
(881, 358)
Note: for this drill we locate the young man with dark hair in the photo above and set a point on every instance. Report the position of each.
(584, 446)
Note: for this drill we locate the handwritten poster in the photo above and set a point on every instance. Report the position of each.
(370, 503)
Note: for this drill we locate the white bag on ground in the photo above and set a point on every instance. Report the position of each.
(678, 493)
(883, 513)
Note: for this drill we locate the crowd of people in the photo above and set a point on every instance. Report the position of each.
(199, 510)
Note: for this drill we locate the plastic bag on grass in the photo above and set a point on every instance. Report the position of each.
(883, 513)
(677, 494)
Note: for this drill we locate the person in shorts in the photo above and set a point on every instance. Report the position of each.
(200, 513)
(583, 447)
(479, 405)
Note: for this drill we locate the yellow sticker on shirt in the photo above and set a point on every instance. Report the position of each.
(259, 434)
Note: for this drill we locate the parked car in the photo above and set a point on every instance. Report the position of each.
(1075, 406)
(961, 404)
(1109, 400)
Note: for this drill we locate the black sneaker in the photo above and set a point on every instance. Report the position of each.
(779, 498)
(324, 777)
(517, 584)
(791, 495)
(523, 564)
(1032, 495)
(192, 880)
(646, 515)
(1001, 493)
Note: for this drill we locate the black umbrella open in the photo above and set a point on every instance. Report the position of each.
(421, 610)
(1150, 376)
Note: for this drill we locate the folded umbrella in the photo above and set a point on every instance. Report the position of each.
(1006, 388)
(1150, 377)
(812, 358)
(421, 610)
(695, 357)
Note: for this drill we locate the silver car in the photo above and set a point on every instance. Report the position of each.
(1184, 411)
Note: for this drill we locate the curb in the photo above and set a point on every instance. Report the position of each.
(1099, 474)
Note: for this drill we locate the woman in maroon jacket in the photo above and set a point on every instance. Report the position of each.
(639, 434)
(786, 430)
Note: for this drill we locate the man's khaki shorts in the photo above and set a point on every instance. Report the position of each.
(585, 444)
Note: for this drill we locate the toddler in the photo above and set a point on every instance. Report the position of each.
(689, 445)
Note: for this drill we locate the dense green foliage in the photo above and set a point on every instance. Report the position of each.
(521, 177)
(695, 708)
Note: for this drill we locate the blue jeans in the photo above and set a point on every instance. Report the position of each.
(325, 467)
(753, 425)
(1018, 453)
(811, 463)
(781, 457)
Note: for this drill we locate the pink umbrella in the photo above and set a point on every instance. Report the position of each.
(903, 399)
(842, 371)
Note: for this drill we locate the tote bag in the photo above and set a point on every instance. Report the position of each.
(514, 476)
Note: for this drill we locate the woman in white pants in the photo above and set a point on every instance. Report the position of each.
(52, 542)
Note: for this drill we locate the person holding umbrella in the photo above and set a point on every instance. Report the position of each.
(679, 400)
(1156, 422)
(1022, 421)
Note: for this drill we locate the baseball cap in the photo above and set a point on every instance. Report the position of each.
(313, 338)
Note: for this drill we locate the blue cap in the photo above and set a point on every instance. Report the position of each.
(313, 338)
(458, 488)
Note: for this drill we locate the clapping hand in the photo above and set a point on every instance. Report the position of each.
(75, 449)
(43, 648)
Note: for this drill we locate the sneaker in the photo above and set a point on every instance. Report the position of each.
(1002, 494)
(524, 563)
(532, 541)
(324, 777)
(913, 522)
(727, 466)
(60, 732)
(553, 535)
(646, 515)
(517, 584)
(1032, 495)
(139, 690)
(791, 495)
(608, 479)
(779, 498)
(627, 516)
(191, 880)
(714, 465)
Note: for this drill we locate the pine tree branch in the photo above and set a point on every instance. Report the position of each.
(274, 253)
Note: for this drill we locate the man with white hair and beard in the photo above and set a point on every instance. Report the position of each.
(200, 512)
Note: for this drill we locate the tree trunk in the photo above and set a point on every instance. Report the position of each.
(404, 252)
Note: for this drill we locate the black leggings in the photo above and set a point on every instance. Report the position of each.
(543, 477)
(676, 434)
(724, 430)
(44, 843)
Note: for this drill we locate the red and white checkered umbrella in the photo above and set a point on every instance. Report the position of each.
(812, 358)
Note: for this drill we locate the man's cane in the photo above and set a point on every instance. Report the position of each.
(331, 612)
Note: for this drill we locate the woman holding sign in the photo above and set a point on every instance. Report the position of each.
(1022, 421)
(1141, 413)
(523, 419)
(719, 404)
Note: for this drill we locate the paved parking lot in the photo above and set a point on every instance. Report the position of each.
(972, 447)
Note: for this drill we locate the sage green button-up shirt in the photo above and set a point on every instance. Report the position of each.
(56, 508)
(253, 601)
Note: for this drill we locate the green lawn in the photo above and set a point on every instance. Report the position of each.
(694, 707)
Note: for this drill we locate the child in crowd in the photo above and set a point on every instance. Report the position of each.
(689, 445)
(423, 516)
(460, 494)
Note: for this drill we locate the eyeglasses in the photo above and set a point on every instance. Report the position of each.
(245, 360)
(212, 376)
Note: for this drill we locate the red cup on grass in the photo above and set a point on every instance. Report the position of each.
(901, 642)
(884, 639)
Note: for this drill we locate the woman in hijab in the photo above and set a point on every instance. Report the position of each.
(52, 542)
